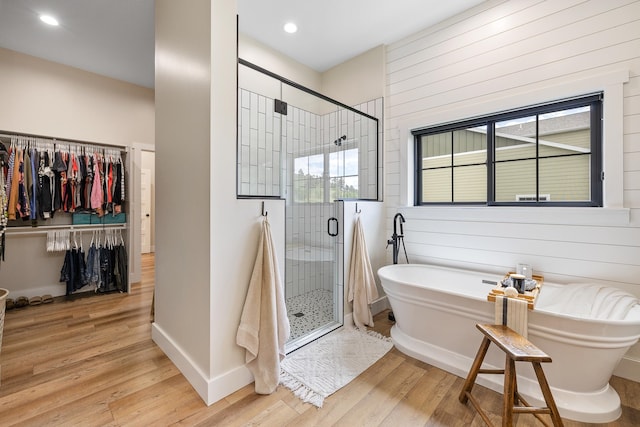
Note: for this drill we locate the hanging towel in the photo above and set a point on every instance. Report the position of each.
(362, 284)
(264, 325)
(512, 312)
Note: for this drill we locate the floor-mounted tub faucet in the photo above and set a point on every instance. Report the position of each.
(396, 238)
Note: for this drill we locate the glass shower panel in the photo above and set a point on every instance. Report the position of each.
(311, 273)
(259, 134)
(311, 151)
(353, 163)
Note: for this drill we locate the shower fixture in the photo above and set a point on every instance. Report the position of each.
(396, 238)
(338, 141)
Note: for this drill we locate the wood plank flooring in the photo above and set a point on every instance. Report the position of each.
(91, 362)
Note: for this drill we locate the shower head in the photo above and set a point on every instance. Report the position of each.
(338, 141)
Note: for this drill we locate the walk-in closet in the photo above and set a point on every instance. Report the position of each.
(64, 229)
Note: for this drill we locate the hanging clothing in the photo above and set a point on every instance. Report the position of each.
(58, 168)
(121, 268)
(97, 194)
(105, 268)
(68, 271)
(92, 270)
(22, 206)
(4, 200)
(47, 187)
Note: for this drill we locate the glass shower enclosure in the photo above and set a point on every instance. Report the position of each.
(297, 145)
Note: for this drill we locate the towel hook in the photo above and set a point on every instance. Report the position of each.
(358, 211)
(264, 213)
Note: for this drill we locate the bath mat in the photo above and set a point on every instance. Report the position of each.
(321, 368)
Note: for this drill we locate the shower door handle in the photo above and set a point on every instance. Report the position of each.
(329, 221)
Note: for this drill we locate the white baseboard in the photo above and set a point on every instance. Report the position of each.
(348, 321)
(380, 305)
(628, 368)
(183, 362)
(210, 390)
(227, 383)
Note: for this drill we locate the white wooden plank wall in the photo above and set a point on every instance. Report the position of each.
(491, 53)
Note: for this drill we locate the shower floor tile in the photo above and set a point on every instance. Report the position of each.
(310, 311)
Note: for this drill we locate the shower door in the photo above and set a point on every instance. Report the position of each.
(295, 145)
(312, 278)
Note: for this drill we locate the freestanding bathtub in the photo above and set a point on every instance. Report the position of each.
(436, 309)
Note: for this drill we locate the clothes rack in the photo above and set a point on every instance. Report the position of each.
(61, 187)
(63, 142)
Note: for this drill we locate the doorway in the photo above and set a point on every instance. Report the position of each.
(147, 202)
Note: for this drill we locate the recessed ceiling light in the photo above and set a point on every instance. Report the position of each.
(48, 19)
(290, 27)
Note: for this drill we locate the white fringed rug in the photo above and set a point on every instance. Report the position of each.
(321, 368)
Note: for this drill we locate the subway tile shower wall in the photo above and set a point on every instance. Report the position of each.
(259, 151)
(270, 143)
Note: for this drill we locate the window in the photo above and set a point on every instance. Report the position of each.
(308, 179)
(308, 184)
(546, 155)
(343, 171)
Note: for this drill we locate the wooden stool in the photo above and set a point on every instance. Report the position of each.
(517, 349)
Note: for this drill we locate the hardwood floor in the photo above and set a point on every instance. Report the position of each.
(91, 362)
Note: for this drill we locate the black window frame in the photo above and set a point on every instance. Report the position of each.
(594, 101)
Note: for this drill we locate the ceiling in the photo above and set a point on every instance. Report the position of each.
(115, 38)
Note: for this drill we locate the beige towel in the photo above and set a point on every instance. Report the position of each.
(264, 326)
(362, 284)
(513, 313)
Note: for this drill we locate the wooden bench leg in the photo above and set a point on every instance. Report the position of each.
(546, 392)
(509, 392)
(473, 372)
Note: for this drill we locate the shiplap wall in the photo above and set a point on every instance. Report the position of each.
(507, 54)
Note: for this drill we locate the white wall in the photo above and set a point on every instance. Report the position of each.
(259, 54)
(206, 239)
(357, 80)
(501, 55)
(49, 99)
(183, 128)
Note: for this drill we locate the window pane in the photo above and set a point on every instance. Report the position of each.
(470, 146)
(566, 179)
(513, 179)
(343, 170)
(436, 164)
(436, 185)
(343, 163)
(344, 188)
(565, 132)
(516, 139)
(308, 184)
(436, 150)
(470, 184)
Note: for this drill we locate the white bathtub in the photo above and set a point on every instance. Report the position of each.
(436, 310)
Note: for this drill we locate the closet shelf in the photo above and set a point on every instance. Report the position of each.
(17, 231)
